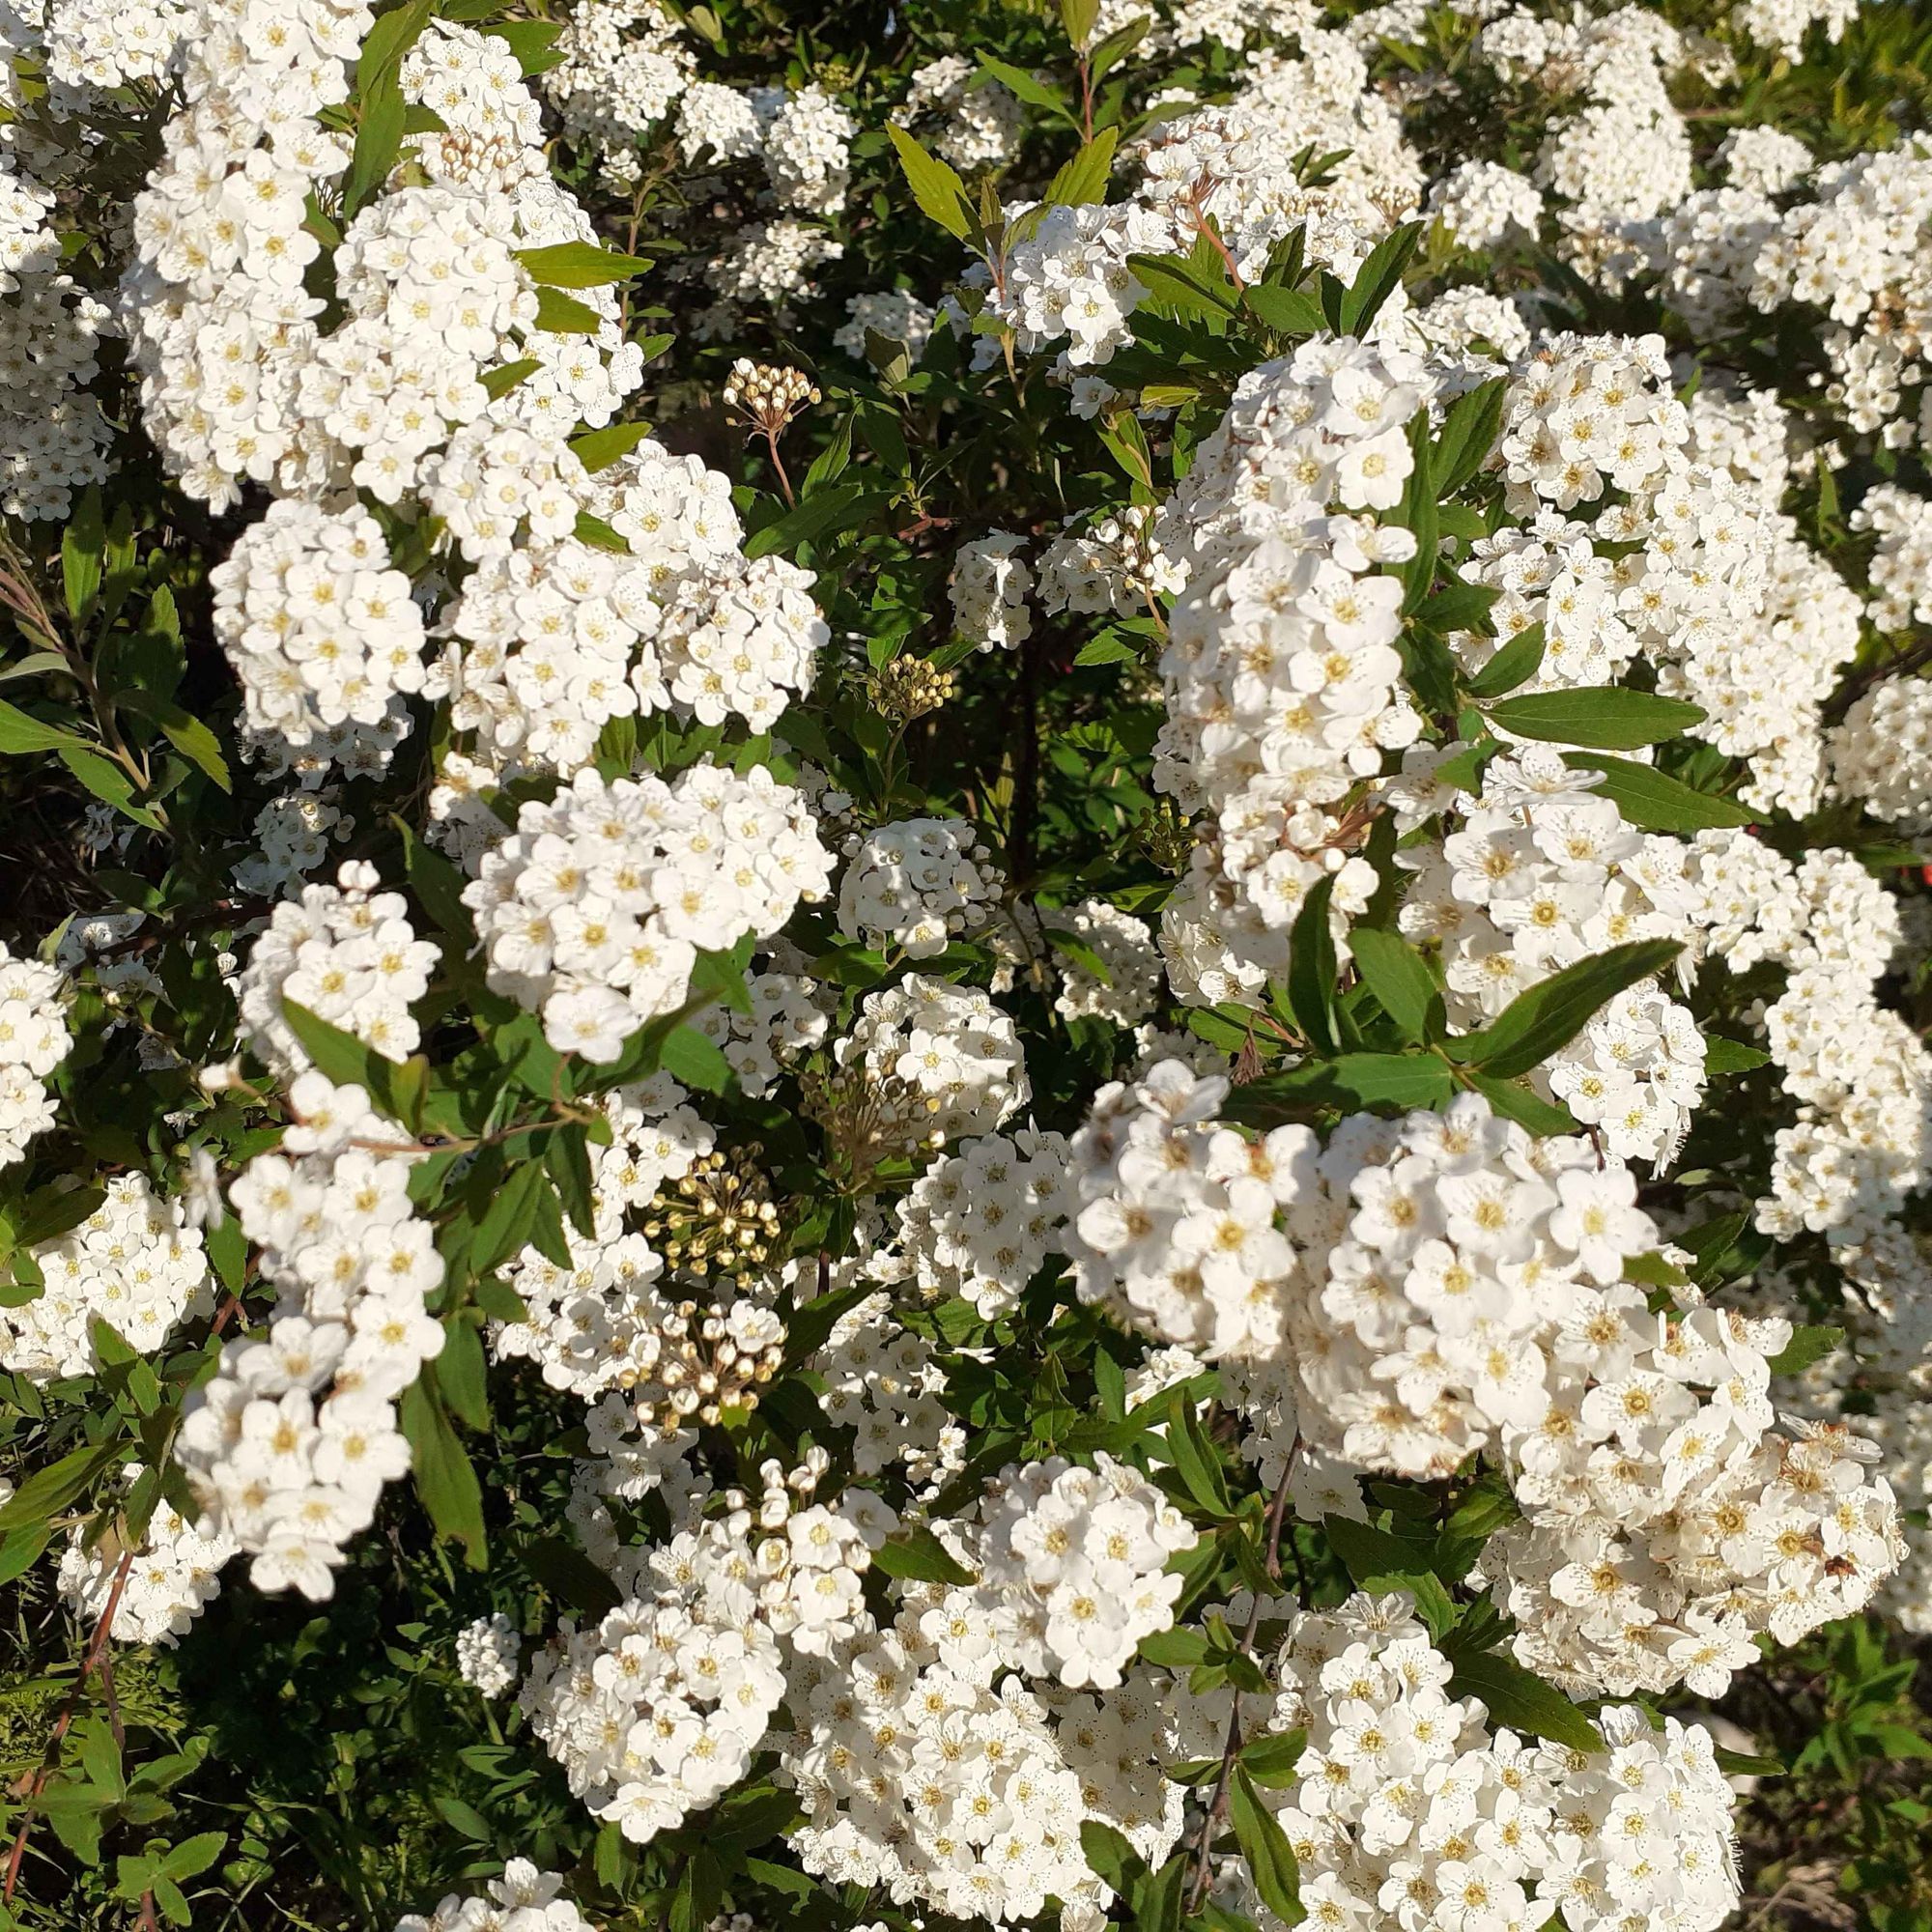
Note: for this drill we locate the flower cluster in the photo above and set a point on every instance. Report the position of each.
(1076, 1561)
(917, 884)
(133, 1264)
(523, 1899)
(1409, 1805)
(594, 910)
(34, 1039)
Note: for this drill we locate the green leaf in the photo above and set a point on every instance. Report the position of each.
(187, 733)
(1809, 1344)
(1546, 1017)
(578, 265)
(938, 191)
(511, 1217)
(338, 1056)
(1653, 801)
(445, 1479)
(827, 509)
(49, 1491)
(1085, 176)
(1523, 1702)
(1400, 979)
(1748, 1764)
(598, 448)
(1405, 1080)
(1468, 431)
(466, 1818)
(1079, 18)
(1264, 1846)
(1378, 277)
(83, 545)
(20, 732)
(919, 1556)
(568, 1158)
(108, 782)
(1312, 968)
(1514, 1101)
(1516, 663)
(1274, 1762)
(569, 1576)
(532, 41)
(564, 315)
(1730, 1056)
(1194, 1457)
(501, 380)
(1175, 283)
(384, 117)
(695, 1059)
(1027, 87)
(1605, 716)
(194, 1856)
(1285, 311)
(460, 1373)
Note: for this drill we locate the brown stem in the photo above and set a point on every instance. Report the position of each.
(778, 463)
(95, 1654)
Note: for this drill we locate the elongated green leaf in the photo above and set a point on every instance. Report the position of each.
(1468, 431)
(1523, 1702)
(560, 314)
(1809, 1344)
(1532, 1112)
(1285, 311)
(1264, 1846)
(938, 191)
(1607, 717)
(578, 265)
(1395, 973)
(919, 1556)
(1173, 281)
(1655, 801)
(1550, 1014)
(1378, 277)
(49, 1491)
(20, 732)
(1085, 178)
(1030, 87)
(338, 1056)
(186, 733)
(1312, 968)
(1516, 663)
(445, 1479)
(1403, 1080)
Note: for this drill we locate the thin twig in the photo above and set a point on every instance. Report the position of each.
(96, 1651)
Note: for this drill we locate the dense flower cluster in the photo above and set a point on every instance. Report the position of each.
(594, 910)
(1409, 1805)
(1203, 869)
(34, 1039)
(1077, 1560)
(133, 1263)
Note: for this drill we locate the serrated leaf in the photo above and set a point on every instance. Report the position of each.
(939, 192)
(1730, 1056)
(1312, 968)
(1468, 431)
(1808, 1343)
(1085, 178)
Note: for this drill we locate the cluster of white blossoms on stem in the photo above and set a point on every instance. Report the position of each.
(884, 1383)
(657, 1710)
(1069, 279)
(927, 1765)
(594, 910)
(34, 1039)
(1281, 677)
(347, 952)
(289, 1447)
(1538, 874)
(523, 1899)
(1123, 950)
(1175, 1230)
(321, 631)
(917, 884)
(950, 1045)
(1073, 1567)
(175, 1574)
(1882, 754)
(1410, 1808)
(486, 1655)
(980, 1220)
(133, 1263)
(990, 582)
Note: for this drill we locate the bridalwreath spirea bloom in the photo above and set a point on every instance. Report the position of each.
(970, 969)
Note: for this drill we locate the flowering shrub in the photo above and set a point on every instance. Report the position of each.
(965, 964)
